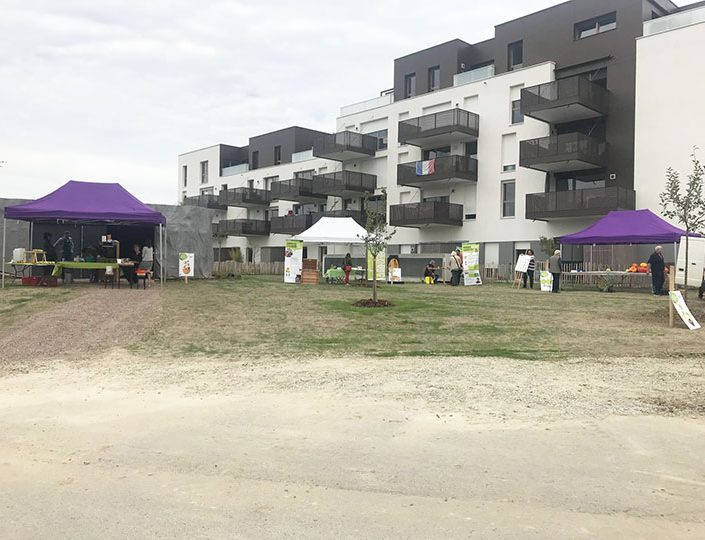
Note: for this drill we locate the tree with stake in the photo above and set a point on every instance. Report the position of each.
(377, 237)
(688, 207)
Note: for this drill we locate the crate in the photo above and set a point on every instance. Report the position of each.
(309, 277)
(31, 281)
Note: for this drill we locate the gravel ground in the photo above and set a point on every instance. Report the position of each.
(92, 324)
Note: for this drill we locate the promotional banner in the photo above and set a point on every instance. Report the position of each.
(293, 260)
(186, 265)
(546, 281)
(381, 266)
(683, 310)
(471, 264)
(523, 264)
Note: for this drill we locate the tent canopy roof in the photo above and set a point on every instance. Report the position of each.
(88, 202)
(628, 227)
(330, 230)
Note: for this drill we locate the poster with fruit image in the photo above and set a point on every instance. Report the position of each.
(293, 260)
(186, 265)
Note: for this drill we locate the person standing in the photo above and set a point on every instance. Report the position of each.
(347, 266)
(554, 266)
(531, 269)
(456, 268)
(66, 246)
(657, 267)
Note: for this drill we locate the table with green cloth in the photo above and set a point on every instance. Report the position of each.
(72, 265)
(337, 275)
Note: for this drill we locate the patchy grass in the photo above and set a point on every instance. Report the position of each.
(17, 302)
(261, 317)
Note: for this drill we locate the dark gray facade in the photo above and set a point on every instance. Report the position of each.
(263, 148)
(232, 155)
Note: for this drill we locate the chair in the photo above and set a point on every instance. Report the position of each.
(144, 275)
(109, 277)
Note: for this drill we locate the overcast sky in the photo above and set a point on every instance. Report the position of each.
(108, 90)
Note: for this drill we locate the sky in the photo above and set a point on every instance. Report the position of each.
(114, 90)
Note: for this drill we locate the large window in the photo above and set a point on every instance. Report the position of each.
(515, 54)
(591, 27)
(277, 155)
(410, 85)
(508, 198)
(204, 172)
(440, 199)
(517, 117)
(471, 149)
(267, 182)
(184, 175)
(382, 138)
(434, 78)
(255, 160)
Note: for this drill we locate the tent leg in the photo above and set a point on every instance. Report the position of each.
(161, 259)
(4, 226)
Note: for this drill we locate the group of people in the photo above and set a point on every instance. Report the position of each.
(455, 265)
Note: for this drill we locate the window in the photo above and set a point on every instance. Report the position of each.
(255, 160)
(515, 54)
(591, 27)
(250, 184)
(508, 196)
(185, 175)
(410, 85)
(436, 153)
(204, 172)
(305, 174)
(471, 149)
(509, 168)
(382, 138)
(277, 155)
(267, 182)
(434, 78)
(442, 199)
(208, 191)
(517, 116)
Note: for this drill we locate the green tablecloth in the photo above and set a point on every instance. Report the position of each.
(66, 265)
(338, 274)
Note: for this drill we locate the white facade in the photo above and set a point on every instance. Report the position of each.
(669, 93)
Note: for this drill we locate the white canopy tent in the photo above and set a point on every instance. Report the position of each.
(330, 230)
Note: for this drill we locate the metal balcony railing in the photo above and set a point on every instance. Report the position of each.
(445, 168)
(205, 201)
(426, 213)
(578, 90)
(243, 227)
(569, 147)
(432, 125)
(578, 203)
(345, 145)
(294, 189)
(340, 183)
(293, 224)
(244, 196)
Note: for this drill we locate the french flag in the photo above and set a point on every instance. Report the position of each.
(424, 168)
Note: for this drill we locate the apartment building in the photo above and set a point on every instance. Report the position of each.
(525, 135)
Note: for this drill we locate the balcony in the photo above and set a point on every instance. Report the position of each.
(563, 153)
(245, 197)
(426, 214)
(578, 203)
(440, 129)
(345, 146)
(357, 215)
(205, 201)
(291, 225)
(346, 184)
(565, 100)
(445, 170)
(296, 189)
(216, 230)
(243, 227)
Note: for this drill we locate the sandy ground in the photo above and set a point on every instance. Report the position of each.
(125, 447)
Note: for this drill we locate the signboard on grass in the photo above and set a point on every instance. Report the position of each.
(523, 264)
(381, 265)
(186, 266)
(293, 260)
(471, 264)
(546, 281)
(683, 310)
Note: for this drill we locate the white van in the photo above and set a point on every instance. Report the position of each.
(696, 262)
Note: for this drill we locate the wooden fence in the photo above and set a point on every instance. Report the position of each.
(232, 268)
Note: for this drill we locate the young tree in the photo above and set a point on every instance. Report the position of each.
(377, 236)
(687, 207)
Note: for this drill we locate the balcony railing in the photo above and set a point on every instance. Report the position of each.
(215, 229)
(344, 183)
(565, 100)
(426, 213)
(205, 201)
(441, 127)
(244, 197)
(567, 152)
(243, 227)
(296, 189)
(345, 146)
(447, 168)
(293, 224)
(475, 75)
(367, 105)
(578, 203)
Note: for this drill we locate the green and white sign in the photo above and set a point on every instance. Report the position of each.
(293, 260)
(471, 264)
(546, 281)
(683, 310)
(381, 265)
(186, 265)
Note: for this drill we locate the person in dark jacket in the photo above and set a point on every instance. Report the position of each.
(66, 246)
(657, 267)
(554, 266)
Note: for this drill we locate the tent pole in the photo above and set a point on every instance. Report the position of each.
(4, 226)
(31, 235)
(161, 259)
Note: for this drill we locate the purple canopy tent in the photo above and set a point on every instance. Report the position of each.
(628, 227)
(87, 202)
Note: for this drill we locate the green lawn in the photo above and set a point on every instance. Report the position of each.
(17, 302)
(262, 317)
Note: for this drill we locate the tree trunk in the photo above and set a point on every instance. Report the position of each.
(685, 273)
(374, 279)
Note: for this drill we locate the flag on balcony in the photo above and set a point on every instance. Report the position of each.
(424, 168)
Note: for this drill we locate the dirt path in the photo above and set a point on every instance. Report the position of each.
(91, 324)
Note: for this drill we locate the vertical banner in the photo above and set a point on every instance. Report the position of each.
(186, 265)
(381, 265)
(683, 310)
(471, 264)
(293, 260)
(546, 281)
